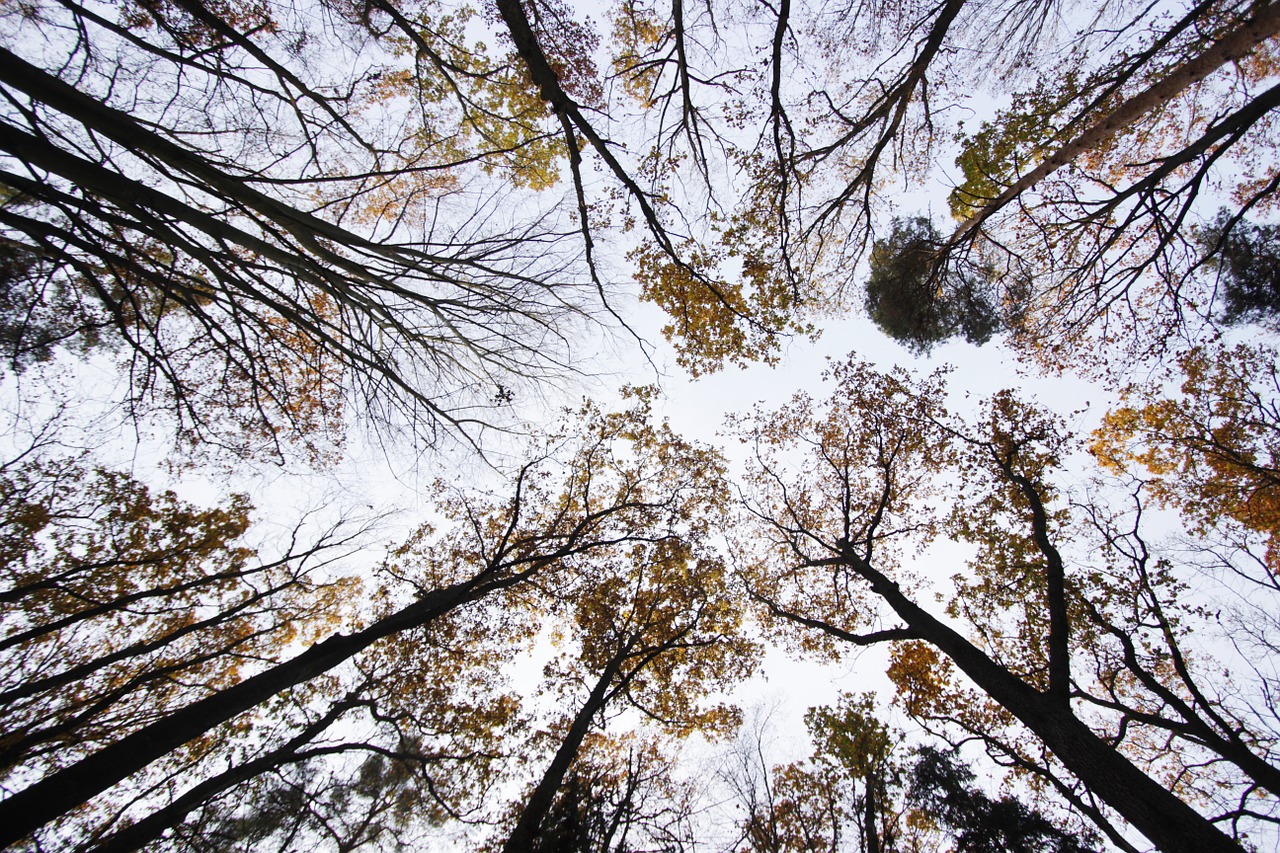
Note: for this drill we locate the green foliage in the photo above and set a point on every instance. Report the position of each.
(942, 786)
(920, 304)
(1015, 141)
(1247, 258)
(850, 736)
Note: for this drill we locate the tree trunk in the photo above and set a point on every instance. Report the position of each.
(1148, 806)
(60, 792)
(535, 810)
(870, 815)
(84, 670)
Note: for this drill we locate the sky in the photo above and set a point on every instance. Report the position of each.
(387, 480)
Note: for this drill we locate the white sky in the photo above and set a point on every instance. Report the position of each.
(387, 479)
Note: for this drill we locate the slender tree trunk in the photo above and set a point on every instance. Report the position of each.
(870, 813)
(1233, 46)
(1153, 810)
(151, 827)
(535, 810)
(60, 792)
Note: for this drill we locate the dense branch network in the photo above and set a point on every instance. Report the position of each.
(280, 221)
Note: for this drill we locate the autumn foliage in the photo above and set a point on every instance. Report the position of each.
(247, 248)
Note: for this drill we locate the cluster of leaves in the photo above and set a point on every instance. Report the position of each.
(280, 218)
(916, 302)
(713, 322)
(1211, 451)
(1247, 258)
(943, 788)
(1014, 141)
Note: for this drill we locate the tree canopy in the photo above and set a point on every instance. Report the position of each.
(265, 235)
(915, 302)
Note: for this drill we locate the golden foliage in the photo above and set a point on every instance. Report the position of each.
(121, 604)
(1211, 450)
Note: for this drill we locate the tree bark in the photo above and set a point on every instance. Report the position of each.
(60, 792)
(1149, 807)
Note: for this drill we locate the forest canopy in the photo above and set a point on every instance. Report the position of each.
(247, 241)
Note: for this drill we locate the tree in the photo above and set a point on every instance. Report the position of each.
(1119, 256)
(416, 736)
(918, 307)
(730, 294)
(292, 248)
(371, 232)
(656, 630)
(829, 542)
(605, 497)
(847, 789)
(266, 818)
(620, 795)
(375, 794)
(1247, 259)
(1146, 211)
(1085, 192)
(942, 787)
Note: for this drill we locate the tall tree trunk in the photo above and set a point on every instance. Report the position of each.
(84, 670)
(539, 803)
(1153, 810)
(870, 816)
(60, 792)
